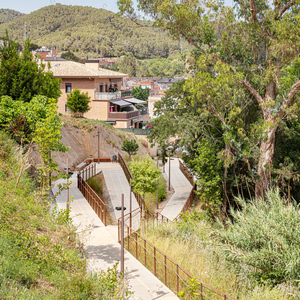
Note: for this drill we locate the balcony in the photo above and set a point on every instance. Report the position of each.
(107, 96)
(123, 115)
(112, 95)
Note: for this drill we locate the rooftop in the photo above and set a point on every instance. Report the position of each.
(74, 69)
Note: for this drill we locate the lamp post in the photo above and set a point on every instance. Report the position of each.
(67, 171)
(98, 135)
(122, 208)
(169, 150)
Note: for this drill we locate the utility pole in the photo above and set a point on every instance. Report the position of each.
(98, 135)
(25, 31)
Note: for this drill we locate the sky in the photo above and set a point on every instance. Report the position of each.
(28, 6)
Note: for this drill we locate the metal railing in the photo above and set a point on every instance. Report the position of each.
(129, 177)
(90, 195)
(188, 203)
(186, 172)
(107, 95)
(122, 115)
(166, 269)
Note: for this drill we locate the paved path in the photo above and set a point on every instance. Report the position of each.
(182, 188)
(104, 251)
(117, 185)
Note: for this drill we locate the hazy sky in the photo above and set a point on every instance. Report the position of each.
(27, 6)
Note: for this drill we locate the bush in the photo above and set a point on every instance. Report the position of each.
(264, 236)
(78, 102)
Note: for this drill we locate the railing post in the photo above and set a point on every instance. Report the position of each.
(145, 245)
(128, 239)
(201, 291)
(136, 246)
(177, 275)
(165, 270)
(154, 251)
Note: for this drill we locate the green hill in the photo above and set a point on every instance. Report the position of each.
(90, 31)
(8, 15)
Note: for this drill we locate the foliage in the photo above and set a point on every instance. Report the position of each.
(8, 15)
(131, 147)
(127, 64)
(140, 93)
(71, 56)
(247, 58)
(205, 262)
(21, 77)
(85, 30)
(264, 237)
(78, 102)
(40, 256)
(145, 175)
(31, 122)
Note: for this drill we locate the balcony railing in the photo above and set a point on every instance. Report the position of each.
(107, 96)
(122, 115)
(112, 95)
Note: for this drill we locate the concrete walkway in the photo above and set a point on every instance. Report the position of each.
(117, 184)
(182, 188)
(104, 251)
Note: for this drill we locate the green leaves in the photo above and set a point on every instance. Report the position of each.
(78, 102)
(131, 147)
(145, 176)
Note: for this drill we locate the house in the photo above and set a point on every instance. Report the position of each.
(108, 102)
(99, 62)
(44, 52)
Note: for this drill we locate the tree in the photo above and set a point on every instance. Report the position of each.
(140, 93)
(78, 102)
(36, 122)
(131, 147)
(145, 176)
(70, 56)
(21, 77)
(256, 42)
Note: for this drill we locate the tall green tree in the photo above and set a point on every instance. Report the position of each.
(140, 93)
(21, 76)
(257, 41)
(78, 102)
(131, 147)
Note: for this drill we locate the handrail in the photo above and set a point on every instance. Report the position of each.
(188, 202)
(129, 177)
(91, 196)
(186, 172)
(167, 270)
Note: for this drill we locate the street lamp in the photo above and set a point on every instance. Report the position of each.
(169, 149)
(122, 208)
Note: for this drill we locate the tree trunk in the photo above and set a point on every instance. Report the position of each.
(267, 145)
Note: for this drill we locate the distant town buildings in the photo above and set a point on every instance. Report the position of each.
(44, 53)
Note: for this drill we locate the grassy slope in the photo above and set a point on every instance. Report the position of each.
(190, 244)
(40, 255)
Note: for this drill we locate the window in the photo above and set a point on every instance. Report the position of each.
(68, 88)
(101, 87)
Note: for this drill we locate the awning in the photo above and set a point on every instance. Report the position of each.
(120, 103)
(135, 101)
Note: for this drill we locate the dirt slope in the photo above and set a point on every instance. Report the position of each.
(81, 136)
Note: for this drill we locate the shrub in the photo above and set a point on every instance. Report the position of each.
(264, 236)
(78, 102)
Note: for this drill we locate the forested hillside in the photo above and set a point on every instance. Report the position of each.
(92, 31)
(7, 15)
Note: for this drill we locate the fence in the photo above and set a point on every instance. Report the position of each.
(165, 268)
(137, 131)
(93, 199)
(129, 177)
(186, 172)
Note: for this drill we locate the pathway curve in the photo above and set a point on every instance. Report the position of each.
(117, 184)
(182, 188)
(103, 250)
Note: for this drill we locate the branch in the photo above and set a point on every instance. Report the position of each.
(295, 88)
(254, 17)
(285, 8)
(252, 90)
